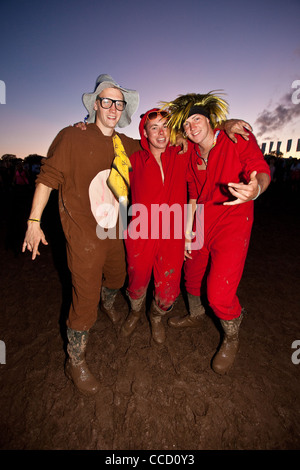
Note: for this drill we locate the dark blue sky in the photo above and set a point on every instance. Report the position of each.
(53, 51)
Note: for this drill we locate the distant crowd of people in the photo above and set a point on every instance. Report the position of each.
(285, 180)
(17, 184)
(20, 174)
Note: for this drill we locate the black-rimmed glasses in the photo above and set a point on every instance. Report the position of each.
(107, 103)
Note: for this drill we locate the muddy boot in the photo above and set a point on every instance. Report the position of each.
(108, 297)
(76, 368)
(157, 327)
(224, 359)
(136, 308)
(194, 319)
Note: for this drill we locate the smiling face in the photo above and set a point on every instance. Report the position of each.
(198, 129)
(157, 133)
(107, 119)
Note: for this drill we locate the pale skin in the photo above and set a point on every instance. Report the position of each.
(106, 120)
(158, 135)
(34, 234)
(199, 131)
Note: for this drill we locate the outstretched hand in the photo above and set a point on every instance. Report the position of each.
(243, 192)
(33, 237)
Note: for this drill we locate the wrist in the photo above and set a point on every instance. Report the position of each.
(189, 234)
(31, 219)
(258, 193)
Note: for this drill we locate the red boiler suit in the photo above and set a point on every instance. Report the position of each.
(227, 229)
(159, 247)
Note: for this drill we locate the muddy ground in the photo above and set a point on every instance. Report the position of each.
(152, 398)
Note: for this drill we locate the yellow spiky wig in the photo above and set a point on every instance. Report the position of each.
(214, 107)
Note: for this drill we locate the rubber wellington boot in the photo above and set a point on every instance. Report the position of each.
(108, 297)
(157, 327)
(76, 367)
(136, 308)
(224, 359)
(195, 317)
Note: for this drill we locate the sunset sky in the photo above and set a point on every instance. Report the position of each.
(53, 51)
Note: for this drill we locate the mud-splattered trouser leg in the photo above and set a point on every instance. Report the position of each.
(163, 258)
(226, 250)
(140, 260)
(105, 264)
(167, 273)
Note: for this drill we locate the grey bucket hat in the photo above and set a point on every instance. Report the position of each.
(130, 96)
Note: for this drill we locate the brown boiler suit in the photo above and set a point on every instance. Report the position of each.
(78, 164)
